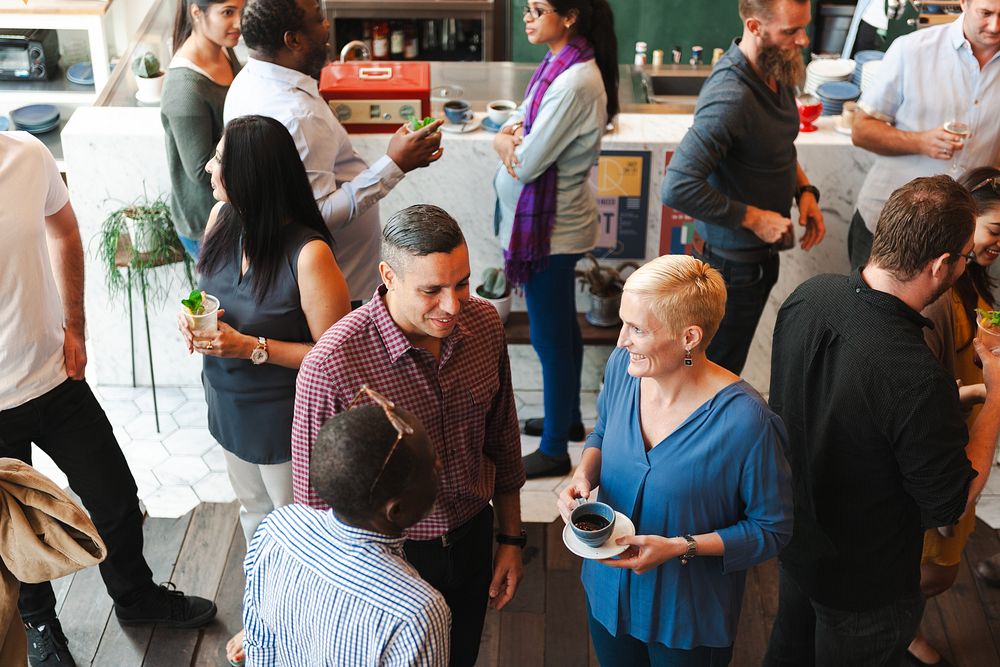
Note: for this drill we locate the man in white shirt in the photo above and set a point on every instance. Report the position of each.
(947, 72)
(289, 43)
(44, 398)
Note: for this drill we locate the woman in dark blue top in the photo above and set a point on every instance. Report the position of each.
(695, 458)
(267, 257)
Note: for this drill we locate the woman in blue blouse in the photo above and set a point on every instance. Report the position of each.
(692, 454)
(546, 214)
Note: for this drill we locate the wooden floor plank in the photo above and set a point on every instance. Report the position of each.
(982, 544)
(85, 613)
(199, 570)
(162, 539)
(557, 556)
(932, 627)
(752, 632)
(965, 624)
(522, 639)
(489, 644)
(212, 647)
(530, 595)
(566, 636)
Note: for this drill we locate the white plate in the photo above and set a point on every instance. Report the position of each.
(147, 100)
(623, 528)
(842, 130)
(462, 128)
(834, 68)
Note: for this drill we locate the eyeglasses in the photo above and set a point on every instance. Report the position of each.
(402, 428)
(994, 183)
(970, 256)
(535, 12)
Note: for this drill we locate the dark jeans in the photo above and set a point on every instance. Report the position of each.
(808, 633)
(461, 571)
(550, 295)
(859, 242)
(69, 425)
(747, 289)
(627, 651)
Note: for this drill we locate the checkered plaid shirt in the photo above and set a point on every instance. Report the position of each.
(465, 402)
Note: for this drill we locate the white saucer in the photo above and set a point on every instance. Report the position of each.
(842, 130)
(490, 126)
(147, 100)
(462, 128)
(623, 528)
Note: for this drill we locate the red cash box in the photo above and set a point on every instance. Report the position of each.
(376, 97)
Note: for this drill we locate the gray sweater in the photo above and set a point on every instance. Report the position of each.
(739, 151)
(191, 113)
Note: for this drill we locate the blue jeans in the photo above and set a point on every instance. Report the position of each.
(190, 246)
(555, 335)
(807, 633)
(627, 651)
(747, 289)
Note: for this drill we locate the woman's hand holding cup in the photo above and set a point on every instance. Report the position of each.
(571, 497)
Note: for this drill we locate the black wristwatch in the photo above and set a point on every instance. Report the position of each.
(806, 188)
(513, 540)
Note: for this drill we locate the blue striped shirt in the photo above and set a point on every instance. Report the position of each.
(320, 592)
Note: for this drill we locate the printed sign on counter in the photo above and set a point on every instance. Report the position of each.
(621, 181)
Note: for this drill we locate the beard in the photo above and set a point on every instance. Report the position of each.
(786, 66)
(316, 61)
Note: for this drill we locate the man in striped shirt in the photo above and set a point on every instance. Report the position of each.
(333, 587)
(426, 345)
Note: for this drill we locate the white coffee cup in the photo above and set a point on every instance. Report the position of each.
(500, 110)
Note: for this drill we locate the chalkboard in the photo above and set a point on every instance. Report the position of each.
(664, 24)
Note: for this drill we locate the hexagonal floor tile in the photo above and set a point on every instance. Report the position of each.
(185, 470)
(215, 459)
(194, 392)
(192, 412)
(189, 442)
(170, 502)
(168, 399)
(145, 482)
(144, 454)
(215, 488)
(41, 462)
(120, 412)
(119, 392)
(143, 427)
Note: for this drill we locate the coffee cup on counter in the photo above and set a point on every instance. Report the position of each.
(500, 110)
(457, 111)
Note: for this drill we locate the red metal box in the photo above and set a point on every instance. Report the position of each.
(376, 97)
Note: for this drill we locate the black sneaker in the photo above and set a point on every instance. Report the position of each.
(537, 464)
(47, 645)
(164, 605)
(535, 427)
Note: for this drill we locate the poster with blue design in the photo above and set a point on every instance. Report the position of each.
(621, 181)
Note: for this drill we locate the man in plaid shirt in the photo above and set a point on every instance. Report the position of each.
(425, 345)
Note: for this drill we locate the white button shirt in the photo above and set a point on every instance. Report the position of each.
(927, 78)
(346, 189)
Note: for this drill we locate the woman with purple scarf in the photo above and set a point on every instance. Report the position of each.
(546, 213)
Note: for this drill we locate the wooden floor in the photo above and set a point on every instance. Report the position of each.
(545, 625)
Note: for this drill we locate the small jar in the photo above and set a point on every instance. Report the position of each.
(657, 57)
(640, 53)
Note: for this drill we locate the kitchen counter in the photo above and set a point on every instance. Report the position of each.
(113, 155)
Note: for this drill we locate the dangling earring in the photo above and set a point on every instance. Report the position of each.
(688, 361)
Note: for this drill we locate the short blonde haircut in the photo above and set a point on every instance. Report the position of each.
(682, 291)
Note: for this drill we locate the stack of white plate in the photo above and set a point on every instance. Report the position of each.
(827, 69)
(868, 72)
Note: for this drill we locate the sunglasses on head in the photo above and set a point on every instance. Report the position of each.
(993, 183)
(402, 428)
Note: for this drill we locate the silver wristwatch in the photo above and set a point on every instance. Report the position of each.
(259, 354)
(691, 551)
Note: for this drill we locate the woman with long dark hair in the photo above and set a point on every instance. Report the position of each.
(267, 257)
(546, 214)
(194, 92)
(954, 317)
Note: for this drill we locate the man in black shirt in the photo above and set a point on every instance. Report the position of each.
(877, 437)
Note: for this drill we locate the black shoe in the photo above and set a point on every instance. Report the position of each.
(47, 645)
(535, 427)
(537, 464)
(169, 607)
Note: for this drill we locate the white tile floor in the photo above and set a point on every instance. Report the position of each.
(181, 465)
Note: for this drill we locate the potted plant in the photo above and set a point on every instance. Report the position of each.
(140, 237)
(494, 289)
(605, 285)
(148, 77)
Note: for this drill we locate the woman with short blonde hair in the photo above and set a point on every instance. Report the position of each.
(693, 455)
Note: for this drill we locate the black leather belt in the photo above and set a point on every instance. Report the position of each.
(743, 256)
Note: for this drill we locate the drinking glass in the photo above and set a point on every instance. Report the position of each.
(206, 325)
(960, 129)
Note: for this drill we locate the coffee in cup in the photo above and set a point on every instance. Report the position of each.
(499, 111)
(457, 111)
(593, 523)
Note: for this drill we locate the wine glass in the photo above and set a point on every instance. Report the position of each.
(960, 129)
